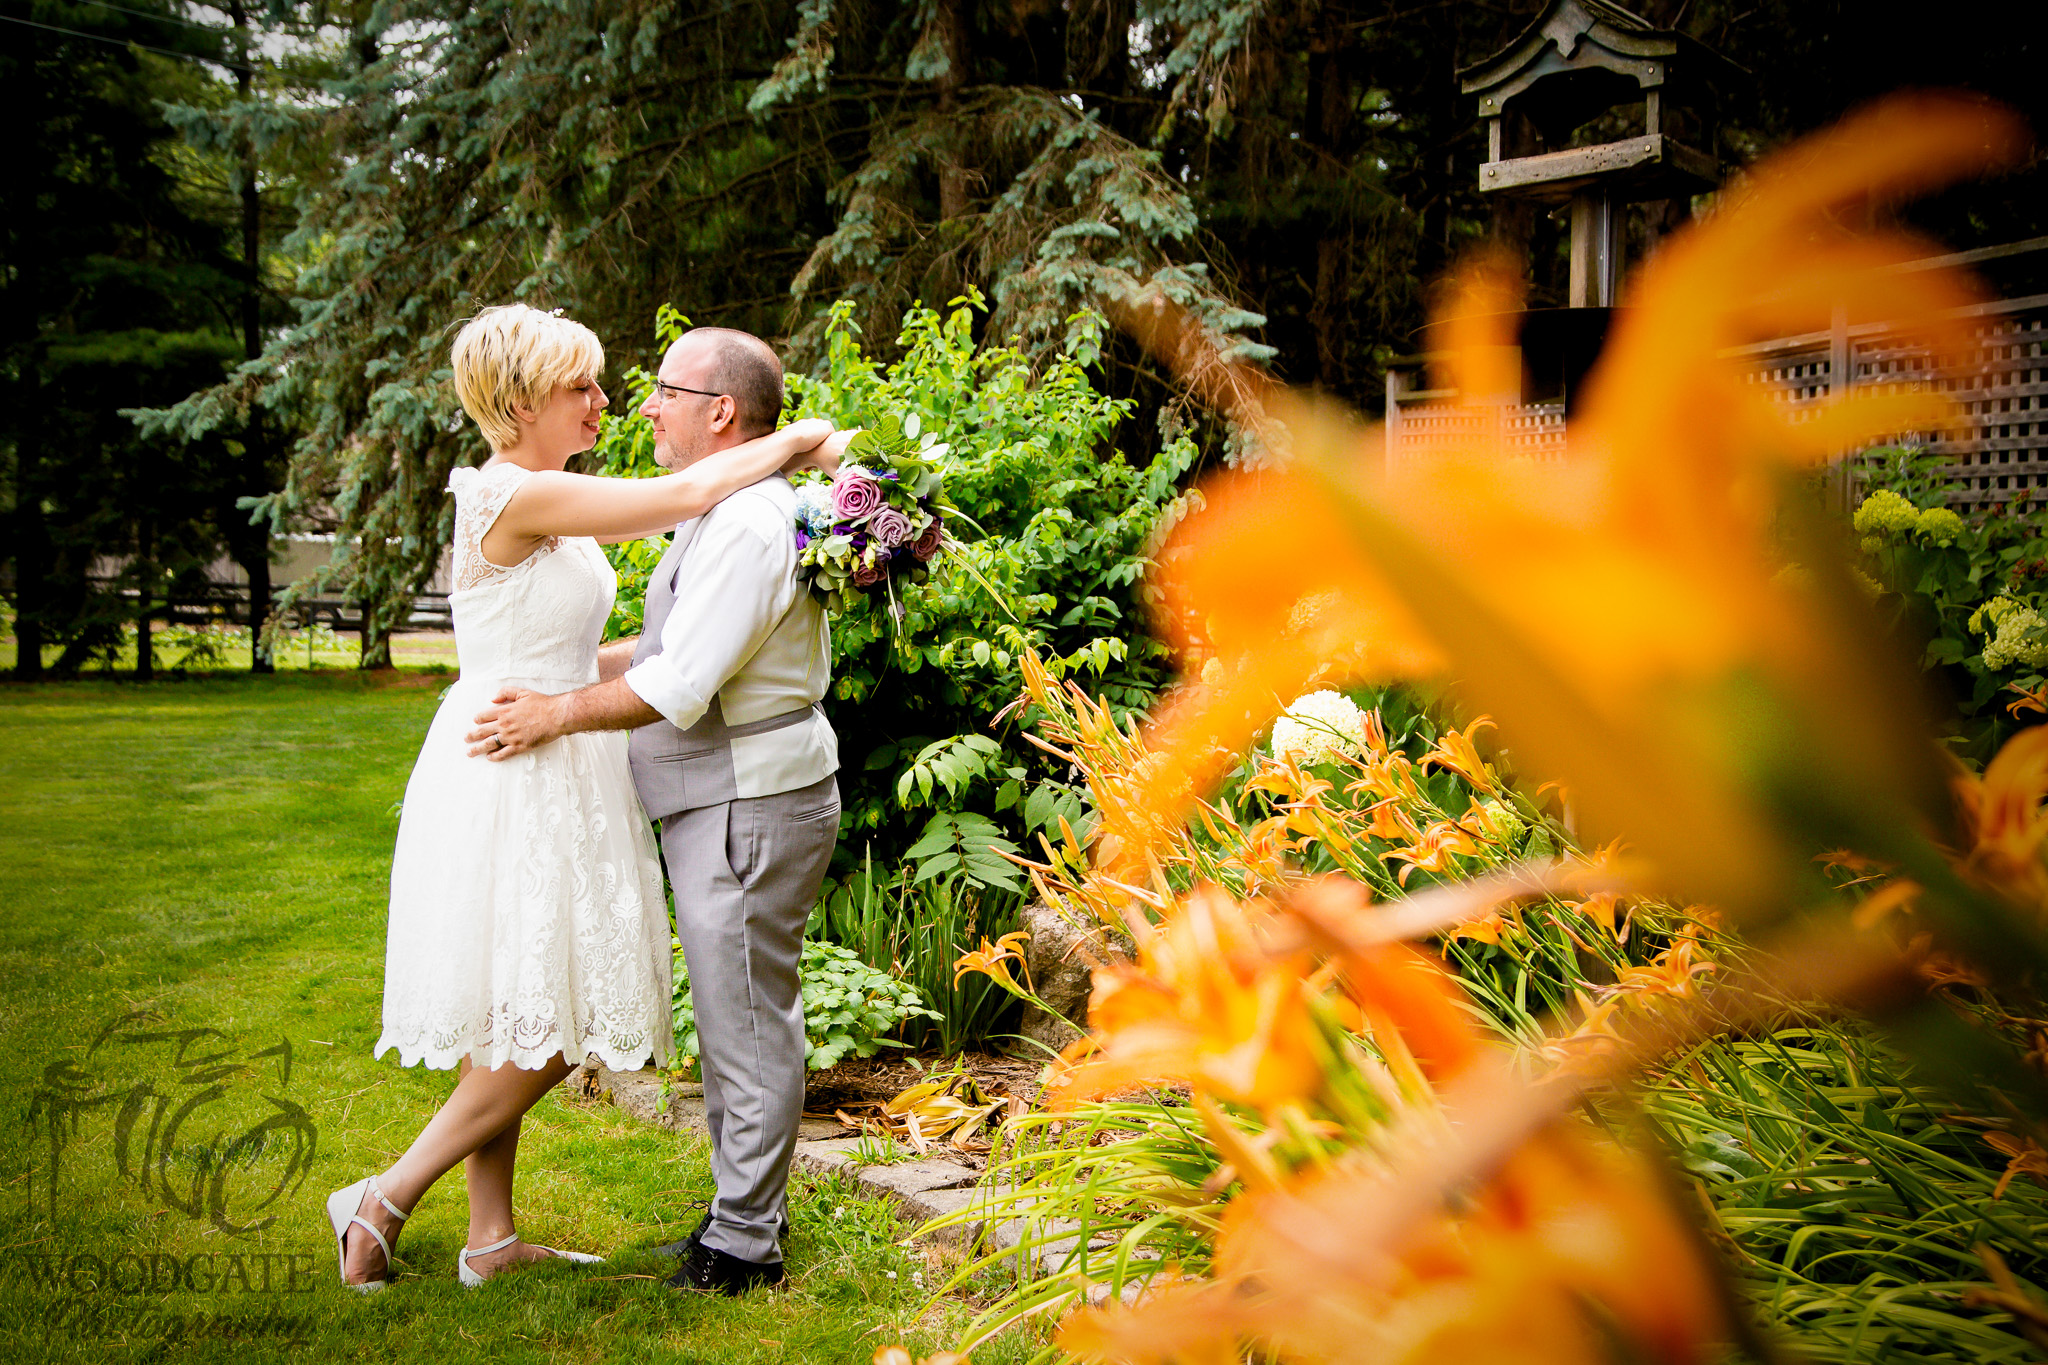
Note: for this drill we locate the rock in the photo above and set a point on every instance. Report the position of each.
(1061, 957)
(904, 1178)
(827, 1155)
(639, 1093)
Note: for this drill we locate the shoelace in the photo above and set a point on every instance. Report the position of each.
(699, 1265)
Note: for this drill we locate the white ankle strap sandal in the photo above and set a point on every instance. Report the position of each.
(342, 1215)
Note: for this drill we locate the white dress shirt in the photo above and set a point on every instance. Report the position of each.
(745, 631)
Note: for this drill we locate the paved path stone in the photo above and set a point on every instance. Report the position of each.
(921, 1190)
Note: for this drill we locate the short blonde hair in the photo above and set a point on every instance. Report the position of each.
(515, 355)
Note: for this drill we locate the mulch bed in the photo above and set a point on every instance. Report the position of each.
(858, 1082)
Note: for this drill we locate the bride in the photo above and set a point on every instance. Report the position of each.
(528, 923)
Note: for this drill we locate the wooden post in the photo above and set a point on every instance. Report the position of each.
(1841, 478)
(1398, 383)
(1596, 250)
(145, 585)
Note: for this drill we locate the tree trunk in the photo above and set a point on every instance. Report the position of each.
(253, 541)
(1328, 119)
(145, 584)
(22, 229)
(376, 637)
(953, 22)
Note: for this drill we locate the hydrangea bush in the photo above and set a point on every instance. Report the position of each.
(1971, 593)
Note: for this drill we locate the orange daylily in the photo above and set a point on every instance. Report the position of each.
(2034, 699)
(1671, 973)
(992, 960)
(1433, 850)
(1604, 909)
(1391, 822)
(2027, 1159)
(1205, 1004)
(897, 1355)
(2003, 820)
(1350, 1262)
(1455, 752)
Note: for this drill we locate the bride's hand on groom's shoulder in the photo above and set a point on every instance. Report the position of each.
(826, 452)
(517, 721)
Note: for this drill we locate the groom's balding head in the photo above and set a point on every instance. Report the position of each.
(723, 387)
(743, 365)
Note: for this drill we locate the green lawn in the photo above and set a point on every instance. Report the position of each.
(214, 851)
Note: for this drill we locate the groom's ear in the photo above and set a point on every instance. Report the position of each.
(725, 411)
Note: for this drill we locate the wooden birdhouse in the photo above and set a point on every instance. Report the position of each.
(1588, 107)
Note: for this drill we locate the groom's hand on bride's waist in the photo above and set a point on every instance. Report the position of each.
(519, 721)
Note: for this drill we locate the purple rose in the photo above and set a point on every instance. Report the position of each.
(855, 493)
(889, 527)
(926, 546)
(802, 540)
(867, 573)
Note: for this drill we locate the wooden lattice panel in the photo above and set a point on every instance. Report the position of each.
(1430, 428)
(2001, 455)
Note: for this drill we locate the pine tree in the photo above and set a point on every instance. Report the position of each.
(110, 291)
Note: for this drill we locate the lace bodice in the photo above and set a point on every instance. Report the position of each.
(537, 622)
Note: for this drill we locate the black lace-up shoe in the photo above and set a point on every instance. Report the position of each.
(674, 1249)
(707, 1270)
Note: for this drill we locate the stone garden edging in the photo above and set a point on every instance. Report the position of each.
(921, 1190)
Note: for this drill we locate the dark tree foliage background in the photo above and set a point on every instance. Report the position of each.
(1296, 173)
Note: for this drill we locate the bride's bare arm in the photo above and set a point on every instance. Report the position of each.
(615, 658)
(826, 456)
(553, 503)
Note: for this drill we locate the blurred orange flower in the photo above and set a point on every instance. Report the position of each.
(2003, 822)
(1206, 1004)
(1617, 614)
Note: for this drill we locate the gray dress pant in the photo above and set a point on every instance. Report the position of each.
(746, 874)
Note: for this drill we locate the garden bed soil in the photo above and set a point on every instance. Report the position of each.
(857, 1082)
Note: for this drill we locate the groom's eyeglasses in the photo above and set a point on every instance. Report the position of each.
(668, 389)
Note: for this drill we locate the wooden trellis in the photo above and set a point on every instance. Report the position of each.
(1998, 457)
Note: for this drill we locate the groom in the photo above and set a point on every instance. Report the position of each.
(732, 755)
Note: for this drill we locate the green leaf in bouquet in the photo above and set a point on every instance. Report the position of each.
(865, 449)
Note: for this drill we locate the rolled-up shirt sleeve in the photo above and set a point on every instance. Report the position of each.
(740, 581)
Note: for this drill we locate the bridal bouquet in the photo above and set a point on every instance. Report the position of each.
(879, 521)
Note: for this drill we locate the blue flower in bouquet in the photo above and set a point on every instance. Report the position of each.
(814, 514)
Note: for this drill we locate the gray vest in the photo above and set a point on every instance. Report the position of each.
(678, 770)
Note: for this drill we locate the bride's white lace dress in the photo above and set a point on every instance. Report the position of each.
(527, 911)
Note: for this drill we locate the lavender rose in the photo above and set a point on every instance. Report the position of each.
(926, 546)
(890, 528)
(855, 493)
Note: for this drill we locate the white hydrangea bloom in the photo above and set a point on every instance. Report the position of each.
(1885, 511)
(2019, 640)
(1319, 726)
(1506, 823)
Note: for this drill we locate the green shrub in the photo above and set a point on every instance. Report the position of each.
(1057, 523)
(849, 1006)
(1970, 594)
(918, 927)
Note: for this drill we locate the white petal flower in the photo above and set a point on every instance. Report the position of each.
(1322, 725)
